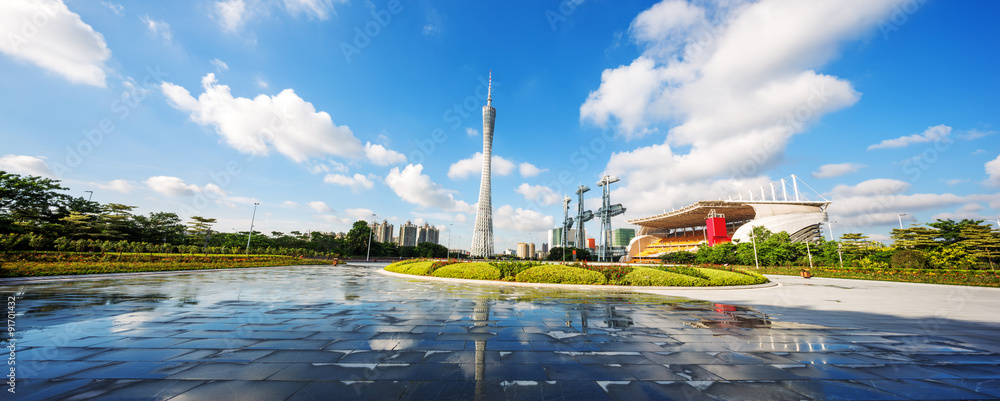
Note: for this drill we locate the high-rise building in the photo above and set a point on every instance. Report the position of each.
(382, 231)
(522, 250)
(545, 247)
(407, 234)
(620, 237)
(482, 235)
(555, 237)
(427, 233)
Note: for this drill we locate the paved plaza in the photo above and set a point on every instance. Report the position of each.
(351, 332)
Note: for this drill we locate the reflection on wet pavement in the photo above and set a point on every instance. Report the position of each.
(318, 332)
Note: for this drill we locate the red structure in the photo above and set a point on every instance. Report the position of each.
(591, 243)
(716, 228)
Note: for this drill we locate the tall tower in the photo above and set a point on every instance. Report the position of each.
(482, 236)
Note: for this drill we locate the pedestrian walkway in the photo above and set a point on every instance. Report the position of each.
(327, 332)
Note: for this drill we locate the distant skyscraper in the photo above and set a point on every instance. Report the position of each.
(407, 234)
(482, 235)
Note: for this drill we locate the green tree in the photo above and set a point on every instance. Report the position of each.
(950, 231)
(556, 254)
(357, 238)
(982, 242)
(31, 204)
(916, 237)
(198, 230)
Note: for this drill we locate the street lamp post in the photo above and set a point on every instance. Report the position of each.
(252, 217)
(91, 195)
(370, 230)
(449, 239)
(900, 216)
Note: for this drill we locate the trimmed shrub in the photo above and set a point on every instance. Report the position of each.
(512, 269)
(647, 276)
(420, 268)
(475, 271)
(685, 270)
(560, 274)
(725, 277)
(678, 257)
(613, 274)
(909, 259)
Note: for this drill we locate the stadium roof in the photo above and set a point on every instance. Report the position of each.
(694, 215)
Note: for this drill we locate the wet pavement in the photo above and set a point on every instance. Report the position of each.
(348, 332)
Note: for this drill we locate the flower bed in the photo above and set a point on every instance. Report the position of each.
(54, 264)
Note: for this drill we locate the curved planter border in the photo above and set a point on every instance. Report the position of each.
(575, 286)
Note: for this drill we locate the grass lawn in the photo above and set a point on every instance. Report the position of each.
(54, 263)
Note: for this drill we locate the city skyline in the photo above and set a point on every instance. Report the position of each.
(327, 112)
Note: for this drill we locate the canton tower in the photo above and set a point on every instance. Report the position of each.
(482, 236)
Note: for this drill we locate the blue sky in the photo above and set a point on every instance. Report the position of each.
(326, 111)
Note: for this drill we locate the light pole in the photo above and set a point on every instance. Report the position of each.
(370, 230)
(254, 216)
(449, 240)
(831, 229)
(91, 195)
(900, 216)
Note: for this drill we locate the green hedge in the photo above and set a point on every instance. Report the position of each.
(647, 276)
(724, 277)
(475, 271)
(560, 274)
(421, 268)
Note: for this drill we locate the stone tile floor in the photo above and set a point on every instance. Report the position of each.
(347, 332)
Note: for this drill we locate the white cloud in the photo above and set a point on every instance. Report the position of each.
(115, 7)
(539, 193)
(359, 214)
(329, 218)
(413, 187)
(931, 134)
(122, 186)
(285, 122)
(25, 165)
(474, 166)
(47, 34)
(174, 186)
(320, 207)
(162, 29)
(879, 201)
(220, 65)
(382, 156)
(733, 84)
(506, 217)
(471, 131)
(232, 14)
(993, 172)
(529, 170)
(260, 82)
(836, 170)
(289, 204)
(356, 182)
(955, 181)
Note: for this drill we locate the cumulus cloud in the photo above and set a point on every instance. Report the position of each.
(122, 186)
(320, 207)
(382, 156)
(289, 204)
(539, 193)
(414, 187)
(529, 170)
(174, 186)
(359, 214)
(284, 122)
(879, 201)
(46, 33)
(25, 165)
(356, 182)
(162, 29)
(231, 14)
(733, 84)
(509, 218)
(471, 131)
(931, 134)
(836, 170)
(474, 166)
(993, 172)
